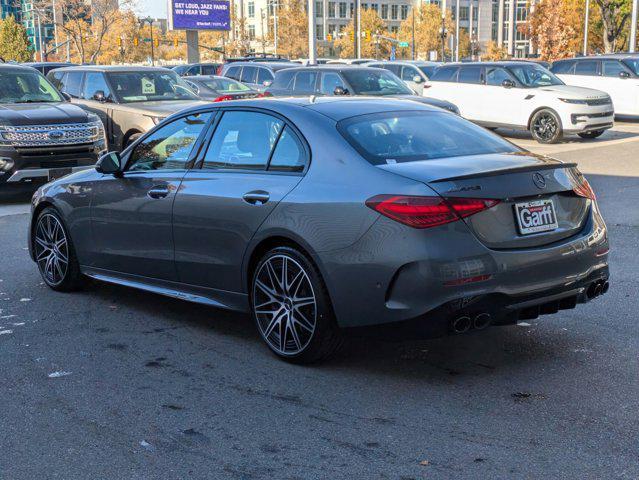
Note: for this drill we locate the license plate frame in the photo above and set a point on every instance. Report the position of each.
(56, 173)
(537, 216)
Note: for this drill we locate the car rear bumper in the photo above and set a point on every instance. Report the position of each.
(395, 274)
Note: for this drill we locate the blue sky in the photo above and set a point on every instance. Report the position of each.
(154, 8)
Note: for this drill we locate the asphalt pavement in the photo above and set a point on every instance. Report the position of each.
(113, 383)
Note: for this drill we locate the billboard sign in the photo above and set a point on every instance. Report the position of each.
(199, 15)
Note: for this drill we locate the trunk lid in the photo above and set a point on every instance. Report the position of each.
(516, 180)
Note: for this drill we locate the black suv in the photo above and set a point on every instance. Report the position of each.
(42, 136)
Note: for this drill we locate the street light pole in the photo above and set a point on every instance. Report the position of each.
(150, 22)
(633, 26)
(413, 39)
(586, 20)
(457, 8)
(312, 41)
(358, 7)
(442, 33)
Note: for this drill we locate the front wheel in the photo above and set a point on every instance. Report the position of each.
(545, 127)
(291, 307)
(591, 134)
(54, 253)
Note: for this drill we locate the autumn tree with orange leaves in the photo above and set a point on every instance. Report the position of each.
(555, 28)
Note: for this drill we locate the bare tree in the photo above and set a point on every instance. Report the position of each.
(84, 22)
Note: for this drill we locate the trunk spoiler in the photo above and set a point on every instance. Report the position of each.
(506, 171)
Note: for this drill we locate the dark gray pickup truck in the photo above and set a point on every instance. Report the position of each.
(42, 136)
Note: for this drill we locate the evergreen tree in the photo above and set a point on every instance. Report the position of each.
(14, 42)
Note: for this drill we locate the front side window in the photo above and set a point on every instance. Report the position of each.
(428, 70)
(375, 83)
(94, 84)
(26, 87)
(209, 69)
(330, 81)
(495, 76)
(144, 86)
(586, 67)
(632, 64)
(264, 75)
(387, 138)
(409, 74)
(532, 76)
(243, 140)
(564, 67)
(612, 68)
(248, 75)
(169, 147)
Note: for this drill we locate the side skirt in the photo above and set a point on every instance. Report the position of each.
(190, 293)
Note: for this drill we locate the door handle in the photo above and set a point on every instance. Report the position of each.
(257, 197)
(159, 191)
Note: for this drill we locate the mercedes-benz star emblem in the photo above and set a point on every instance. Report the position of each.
(539, 180)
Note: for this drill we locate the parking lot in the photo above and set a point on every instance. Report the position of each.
(116, 380)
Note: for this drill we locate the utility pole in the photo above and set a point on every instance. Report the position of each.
(442, 33)
(275, 5)
(413, 40)
(358, 40)
(457, 7)
(312, 41)
(633, 26)
(586, 21)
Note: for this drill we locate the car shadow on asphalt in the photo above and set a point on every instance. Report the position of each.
(435, 360)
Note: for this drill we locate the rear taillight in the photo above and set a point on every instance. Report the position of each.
(218, 71)
(223, 98)
(426, 212)
(583, 189)
(264, 95)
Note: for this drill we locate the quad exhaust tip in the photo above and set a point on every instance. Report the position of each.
(462, 324)
(481, 321)
(465, 322)
(597, 288)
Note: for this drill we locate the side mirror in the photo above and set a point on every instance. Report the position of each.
(110, 164)
(624, 75)
(340, 91)
(66, 96)
(267, 83)
(418, 79)
(508, 84)
(99, 96)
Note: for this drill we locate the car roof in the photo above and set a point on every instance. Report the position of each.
(335, 108)
(113, 68)
(502, 63)
(262, 64)
(416, 63)
(18, 67)
(209, 77)
(333, 68)
(608, 55)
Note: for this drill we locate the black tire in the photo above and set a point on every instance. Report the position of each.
(592, 134)
(57, 276)
(545, 126)
(131, 139)
(275, 312)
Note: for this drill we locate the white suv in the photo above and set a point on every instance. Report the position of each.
(617, 75)
(523, 96)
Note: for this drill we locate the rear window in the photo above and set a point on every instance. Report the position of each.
(563, 67)
(398, 137)
(586, 67)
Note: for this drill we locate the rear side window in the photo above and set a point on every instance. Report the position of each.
(445, 74)
(234, 72)
(283, 79)
(289, 154)
(72, 84)
(209, 69)
(566, 67)
(243, 140)
(305, 83)
(398, 137)
(586, 67)
(470, 75)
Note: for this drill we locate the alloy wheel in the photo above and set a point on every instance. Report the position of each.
(545, 126)
(285, 305)
(51, 249)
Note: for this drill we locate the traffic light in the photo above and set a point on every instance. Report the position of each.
(367, 35)
(136, 41)
(176, 42)
(156, 42)
(353, 35)
(329, 38)
(120, 42)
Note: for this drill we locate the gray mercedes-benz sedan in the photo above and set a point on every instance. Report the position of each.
(321, 214)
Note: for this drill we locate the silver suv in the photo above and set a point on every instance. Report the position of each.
(129, 100)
